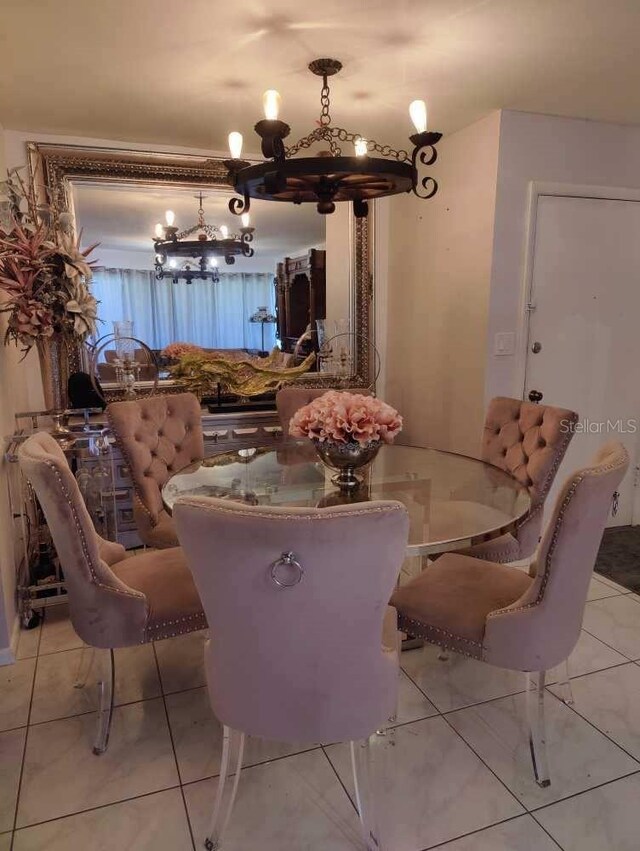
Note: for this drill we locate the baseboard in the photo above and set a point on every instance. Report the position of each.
(8, 654)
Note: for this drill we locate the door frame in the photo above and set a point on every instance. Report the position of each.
(536, 190)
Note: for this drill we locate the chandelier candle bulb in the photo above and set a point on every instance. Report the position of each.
(246, 219)
(159, 231)
(235, 145)
(224, 230)
(271, 104)
(418, 113)
(360, 146)
(170, 218)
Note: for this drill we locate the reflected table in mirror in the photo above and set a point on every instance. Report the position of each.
(453, 501)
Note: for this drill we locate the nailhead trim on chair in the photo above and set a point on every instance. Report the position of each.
(554, 539)
(85, 549)
(419, 624)
(240, 513)
(417, 629)
(157, 631)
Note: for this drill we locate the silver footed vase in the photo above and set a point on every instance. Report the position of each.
(346, 458)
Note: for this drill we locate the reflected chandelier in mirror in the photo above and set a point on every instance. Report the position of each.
(175, 249)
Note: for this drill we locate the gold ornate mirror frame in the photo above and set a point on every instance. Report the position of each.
(56, 167)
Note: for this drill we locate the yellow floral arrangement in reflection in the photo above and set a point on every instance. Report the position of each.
(201, 372)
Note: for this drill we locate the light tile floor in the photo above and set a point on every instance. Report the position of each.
(457, 774)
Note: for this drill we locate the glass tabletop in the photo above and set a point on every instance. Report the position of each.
(452, 500)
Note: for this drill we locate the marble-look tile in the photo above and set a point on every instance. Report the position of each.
(15, 693)
(598, 590)
(604, 819)
(11, 750)
(152, 823)
(5, 841)
(589, 655)
(62, 776)
(197, 738)
(616, 621)
(431, 786)
(54, 694)
(458, 681)
(610, 700)
(293, 804)
(579, 756)
(181, 661)
(57, 633)
(519, 834)
(28, 642)
(605, 579)
(412, 704)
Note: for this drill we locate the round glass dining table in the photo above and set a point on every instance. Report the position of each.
(453, 501)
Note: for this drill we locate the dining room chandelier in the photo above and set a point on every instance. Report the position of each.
(372, 171)
(194, 252)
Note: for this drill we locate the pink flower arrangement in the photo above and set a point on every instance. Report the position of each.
(177, 350)
(346, 418)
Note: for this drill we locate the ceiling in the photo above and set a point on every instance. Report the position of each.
(186, 74)
(122, 219)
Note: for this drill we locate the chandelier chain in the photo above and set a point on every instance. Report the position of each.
(325, 100)
(331, 134)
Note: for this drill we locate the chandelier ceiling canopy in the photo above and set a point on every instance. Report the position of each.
(371, 171)
(194, 252)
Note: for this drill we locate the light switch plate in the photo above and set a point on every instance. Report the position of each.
(504, 343)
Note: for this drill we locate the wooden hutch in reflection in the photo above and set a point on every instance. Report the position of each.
(300, 297)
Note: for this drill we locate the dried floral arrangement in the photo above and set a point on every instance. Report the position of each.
(43, 271)
(346, 418)
(201, 372)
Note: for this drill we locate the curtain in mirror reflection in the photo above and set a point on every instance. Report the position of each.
(214, 316)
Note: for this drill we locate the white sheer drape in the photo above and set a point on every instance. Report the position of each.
(215, 316)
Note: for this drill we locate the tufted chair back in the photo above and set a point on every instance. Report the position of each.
(291, 399)
(158, 436)
(529, 441)
(105, 612)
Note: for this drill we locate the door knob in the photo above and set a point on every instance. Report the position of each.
(535, 396)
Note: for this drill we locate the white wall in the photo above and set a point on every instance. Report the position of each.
(438, 294)
(547, 149)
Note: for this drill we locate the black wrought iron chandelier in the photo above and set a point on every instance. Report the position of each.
(373, 171)
(198, 258)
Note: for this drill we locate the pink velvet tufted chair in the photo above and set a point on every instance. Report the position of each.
(296, 600)
(114, 601)
(509, 618)
(529, 441)
(158, 436)
(291, 399)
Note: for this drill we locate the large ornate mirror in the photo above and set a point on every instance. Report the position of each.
(309, 276)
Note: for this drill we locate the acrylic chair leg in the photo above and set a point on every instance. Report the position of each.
(106, 688)
(364, 772)
(232, 755)
(85, 665)
(565, 684)
(537, 733)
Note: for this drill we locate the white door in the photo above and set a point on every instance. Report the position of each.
(584, 326)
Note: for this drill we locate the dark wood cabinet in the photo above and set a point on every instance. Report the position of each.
(300, 296)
